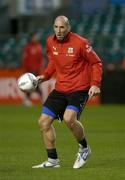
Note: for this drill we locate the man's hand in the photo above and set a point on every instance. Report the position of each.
(93, 91)
(40, 79)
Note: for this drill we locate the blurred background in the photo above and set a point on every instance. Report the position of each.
(102, 22)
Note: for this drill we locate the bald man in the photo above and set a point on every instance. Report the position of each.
(78, 77)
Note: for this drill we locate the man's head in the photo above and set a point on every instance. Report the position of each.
(61, 27)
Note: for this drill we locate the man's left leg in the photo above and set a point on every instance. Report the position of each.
(77, 129)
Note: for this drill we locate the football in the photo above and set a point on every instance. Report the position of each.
(27, 82)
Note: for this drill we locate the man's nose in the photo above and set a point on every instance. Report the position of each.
(58, 30)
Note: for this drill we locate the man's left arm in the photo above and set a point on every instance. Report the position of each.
(96, 70)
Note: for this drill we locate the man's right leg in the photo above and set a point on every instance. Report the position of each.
(49, 136)
(47, 131)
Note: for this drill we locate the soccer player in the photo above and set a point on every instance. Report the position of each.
(32, 61)
(78, 77)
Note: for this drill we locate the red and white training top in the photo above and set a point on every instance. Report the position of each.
(76, 64)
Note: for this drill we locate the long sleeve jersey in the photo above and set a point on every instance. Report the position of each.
(76, 64)
(32, 58)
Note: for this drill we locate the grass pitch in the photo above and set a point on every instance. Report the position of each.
(21, 146)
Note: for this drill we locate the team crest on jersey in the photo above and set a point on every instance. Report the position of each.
(70, 50)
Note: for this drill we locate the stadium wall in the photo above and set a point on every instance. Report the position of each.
(113, 87)
(10, 93)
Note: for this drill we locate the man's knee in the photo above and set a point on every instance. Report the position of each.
(44, 123)
(69, 120)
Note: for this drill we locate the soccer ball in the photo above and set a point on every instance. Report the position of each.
(27, 82)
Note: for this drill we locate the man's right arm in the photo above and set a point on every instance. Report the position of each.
(49, 71)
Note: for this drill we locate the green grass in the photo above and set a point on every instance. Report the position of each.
(21, 146)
